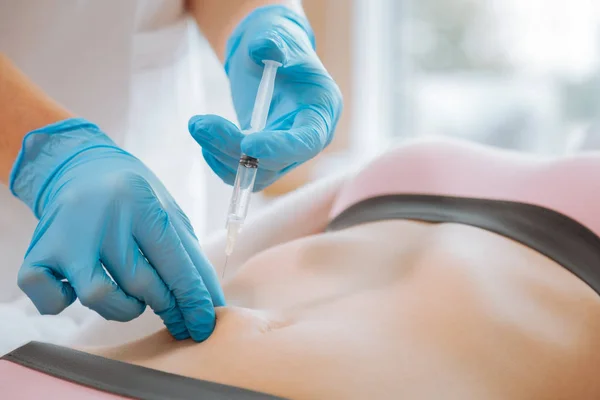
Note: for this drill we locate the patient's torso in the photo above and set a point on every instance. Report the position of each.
(397, 309)
(400, 310)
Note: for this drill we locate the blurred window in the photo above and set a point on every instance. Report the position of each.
(511, 73)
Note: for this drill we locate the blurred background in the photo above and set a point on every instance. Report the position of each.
(515, 74)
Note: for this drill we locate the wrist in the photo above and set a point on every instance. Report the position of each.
(24, 107)
(272, 13)
(45, 151)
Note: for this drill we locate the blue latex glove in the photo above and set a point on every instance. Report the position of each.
(306, 101)
(99, 206)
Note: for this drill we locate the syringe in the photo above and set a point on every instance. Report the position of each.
(248, 166)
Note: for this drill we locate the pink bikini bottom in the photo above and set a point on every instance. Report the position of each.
(44, 371)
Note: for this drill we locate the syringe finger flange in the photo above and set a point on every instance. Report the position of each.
(248, 162)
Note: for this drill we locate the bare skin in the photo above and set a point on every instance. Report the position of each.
(396, 309)
(23, 108)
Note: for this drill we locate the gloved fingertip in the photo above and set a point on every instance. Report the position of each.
(57, 305)
(199, 123)
(268, 47)
(126, 313)
(174, 323)
(69, 294)
(211, 121)
(214, 130)
(192, 122)
(256, 145)
(181, 335)
(200, 322)
(200, 334)
(269, 145)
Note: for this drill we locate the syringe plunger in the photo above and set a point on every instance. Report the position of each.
(264, 95)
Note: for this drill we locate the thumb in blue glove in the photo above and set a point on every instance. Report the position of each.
(306, 101)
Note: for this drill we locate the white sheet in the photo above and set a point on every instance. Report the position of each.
(78, 326)
(20, 323)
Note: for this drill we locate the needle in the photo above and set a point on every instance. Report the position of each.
(224, 267)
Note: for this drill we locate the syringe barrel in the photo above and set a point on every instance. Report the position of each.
(248, 166)
(242, 189)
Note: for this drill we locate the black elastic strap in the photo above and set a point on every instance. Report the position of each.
(121, 378)
(551, 233)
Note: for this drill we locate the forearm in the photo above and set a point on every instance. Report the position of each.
(298, 214)
(23, 108)
(217, 18)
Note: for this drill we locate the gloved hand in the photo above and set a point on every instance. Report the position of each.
(306, 101)
(109, 234)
